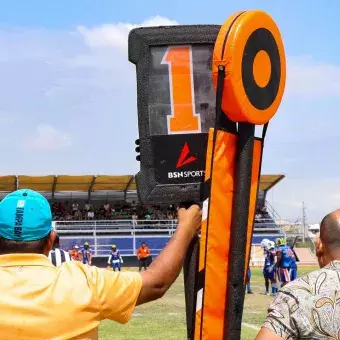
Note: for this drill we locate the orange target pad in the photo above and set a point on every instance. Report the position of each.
(250, 47)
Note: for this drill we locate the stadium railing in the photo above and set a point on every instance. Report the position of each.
(128, 234)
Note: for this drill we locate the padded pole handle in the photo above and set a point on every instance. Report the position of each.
(238, 237)
(190, 273)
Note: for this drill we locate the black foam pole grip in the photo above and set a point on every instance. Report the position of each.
(238, 238)
(190, 267)
(190, 274)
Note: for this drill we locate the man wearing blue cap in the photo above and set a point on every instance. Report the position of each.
(36, 294)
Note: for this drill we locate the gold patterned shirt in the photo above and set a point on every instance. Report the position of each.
(308, 308)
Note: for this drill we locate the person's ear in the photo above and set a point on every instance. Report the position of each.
(50, 242)
(320, 252)
(319, 247)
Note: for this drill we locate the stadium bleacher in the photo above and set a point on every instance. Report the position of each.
(118, 218)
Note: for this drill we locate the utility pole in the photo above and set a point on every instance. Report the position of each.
(304, 221)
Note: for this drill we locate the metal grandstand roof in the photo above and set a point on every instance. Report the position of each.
(65, 183)
(91, 183)
(267, 182)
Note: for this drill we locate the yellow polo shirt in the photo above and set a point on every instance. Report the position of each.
(40, 301)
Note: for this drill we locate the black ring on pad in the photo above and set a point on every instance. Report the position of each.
(261, 97)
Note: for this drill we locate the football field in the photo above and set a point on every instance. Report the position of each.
(165, 319)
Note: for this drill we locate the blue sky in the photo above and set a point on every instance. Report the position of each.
(67, 91)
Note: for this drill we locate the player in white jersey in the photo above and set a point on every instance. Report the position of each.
(57, 256)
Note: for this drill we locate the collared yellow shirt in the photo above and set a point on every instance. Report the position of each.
(40, 301)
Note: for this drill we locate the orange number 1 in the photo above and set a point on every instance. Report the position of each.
(183, 117)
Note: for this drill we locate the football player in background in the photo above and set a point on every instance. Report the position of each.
(248, 277)
(86, 254)
(57, 255)
(74, 252)
(269, 269)
(285, 257)
(115, 259)
(293, 268)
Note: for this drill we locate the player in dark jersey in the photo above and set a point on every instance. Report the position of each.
(248, 277)
(285, 257)
(269, 270)
(293, 269)
(115, 259)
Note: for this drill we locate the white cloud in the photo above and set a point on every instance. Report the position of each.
(48, 138)
(117, 34)
(312, 79)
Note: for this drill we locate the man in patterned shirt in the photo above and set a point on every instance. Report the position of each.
(309, 308)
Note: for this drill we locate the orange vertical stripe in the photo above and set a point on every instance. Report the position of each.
(219, 224)
(198, 325)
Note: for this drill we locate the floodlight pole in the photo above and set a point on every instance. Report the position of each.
(303, 222)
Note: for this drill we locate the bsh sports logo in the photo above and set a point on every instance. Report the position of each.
(185, 159)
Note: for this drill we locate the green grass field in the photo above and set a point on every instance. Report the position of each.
(165, 319)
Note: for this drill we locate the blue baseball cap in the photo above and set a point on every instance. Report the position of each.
(25, 215)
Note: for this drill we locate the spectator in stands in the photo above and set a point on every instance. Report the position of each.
(60, 208)
(113, 213)
(68, 216)
(119, 211)
(144, 256)
(101, 213)
(172, 215)
(49, 294)
(78, 215)
(308, 308)
(88, 206)
(134, 205)
(75, 207)
(56, 255)
(90, 214)
(107, 208)
(134, 216)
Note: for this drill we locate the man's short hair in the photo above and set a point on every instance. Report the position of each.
(22, 247)
(330, 232)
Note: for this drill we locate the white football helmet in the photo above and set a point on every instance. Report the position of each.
(265, 243)
(271, 245)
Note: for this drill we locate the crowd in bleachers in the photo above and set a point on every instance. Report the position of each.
(67, 211)
(77, 211)
(262, 215)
